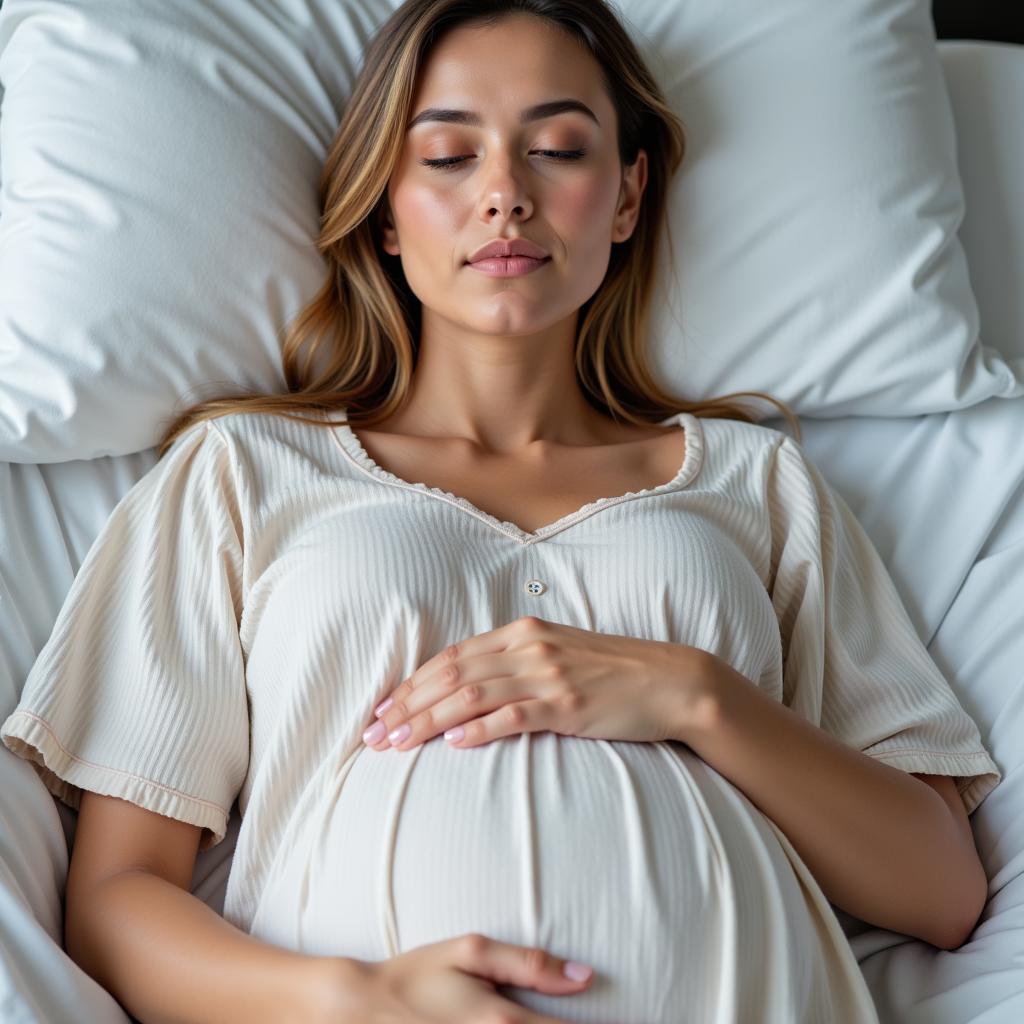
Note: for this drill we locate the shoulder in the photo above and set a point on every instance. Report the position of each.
(244, 443)
(254, 432)
(273, 455)
(741, 434)
(737, 450)
(242, 425)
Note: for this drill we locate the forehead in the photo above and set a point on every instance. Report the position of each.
(499, 70)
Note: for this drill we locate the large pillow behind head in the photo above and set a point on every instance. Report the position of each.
(159, 212)
(159, 207)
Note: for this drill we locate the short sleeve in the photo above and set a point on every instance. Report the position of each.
(140, 690)
(853, 663)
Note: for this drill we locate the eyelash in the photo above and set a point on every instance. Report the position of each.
(447, 163)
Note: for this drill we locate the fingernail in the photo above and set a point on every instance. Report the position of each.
(576, 971)
(456, 734)
(381, 708)
(401, 733)
(375, 733)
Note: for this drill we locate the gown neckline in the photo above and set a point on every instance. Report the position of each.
(350, 445)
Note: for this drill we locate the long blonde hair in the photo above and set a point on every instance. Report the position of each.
(354, 346)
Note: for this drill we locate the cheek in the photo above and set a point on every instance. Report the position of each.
(583, 217)
(585, 210)
(426, 218)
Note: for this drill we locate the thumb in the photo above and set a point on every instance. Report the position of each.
(525, 966)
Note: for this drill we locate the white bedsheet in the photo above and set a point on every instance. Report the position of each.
(941, 496)
(959, 559)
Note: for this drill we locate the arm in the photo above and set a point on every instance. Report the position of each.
(168, 958)
(883, 845)
(131, 923)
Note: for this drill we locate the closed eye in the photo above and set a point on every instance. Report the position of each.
(557, 154)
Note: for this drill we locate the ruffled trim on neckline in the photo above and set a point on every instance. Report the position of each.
(693, 460)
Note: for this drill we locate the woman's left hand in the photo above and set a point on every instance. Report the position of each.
(532, 675)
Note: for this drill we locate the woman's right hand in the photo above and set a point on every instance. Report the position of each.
(448, 982)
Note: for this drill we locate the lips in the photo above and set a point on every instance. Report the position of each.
(506, 247)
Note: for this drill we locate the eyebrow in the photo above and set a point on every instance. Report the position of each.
(535, 113)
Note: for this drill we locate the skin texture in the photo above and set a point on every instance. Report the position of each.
(532, 675)
(495, 368)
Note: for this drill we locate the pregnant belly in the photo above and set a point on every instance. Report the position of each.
(636, 858)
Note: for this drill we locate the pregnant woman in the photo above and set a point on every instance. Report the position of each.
(510, 658)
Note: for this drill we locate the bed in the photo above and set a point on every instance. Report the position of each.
(939, 489)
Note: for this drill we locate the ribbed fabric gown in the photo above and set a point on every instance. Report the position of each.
(256, 594)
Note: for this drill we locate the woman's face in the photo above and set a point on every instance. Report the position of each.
(511, 178)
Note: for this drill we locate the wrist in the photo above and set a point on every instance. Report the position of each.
(334, 990)
(702, 706)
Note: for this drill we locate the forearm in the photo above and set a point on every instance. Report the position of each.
(168, 958)
(882, 845)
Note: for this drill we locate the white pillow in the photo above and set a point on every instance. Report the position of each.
(159, 167)
(816, 216)
(986, 86)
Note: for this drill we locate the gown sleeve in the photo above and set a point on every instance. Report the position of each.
(140, 690)
(853, 663)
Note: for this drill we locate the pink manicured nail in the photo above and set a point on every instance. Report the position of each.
(375, 733)
(577, 971)
(456, 734)
(401, 733)
(381, 708)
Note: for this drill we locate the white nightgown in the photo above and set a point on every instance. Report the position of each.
(256, 594)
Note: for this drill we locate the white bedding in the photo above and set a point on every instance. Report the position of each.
(941, 496)
(957, 543)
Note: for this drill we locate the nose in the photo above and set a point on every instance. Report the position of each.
(504, 194)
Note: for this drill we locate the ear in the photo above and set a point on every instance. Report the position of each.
(386, 226)
(634, 181)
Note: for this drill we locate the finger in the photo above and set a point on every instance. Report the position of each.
(397, 701)
(508, 964)
(473, 646)
(449, 655)
(454, 694)
(467, 702)
(532, 1018)
(508, 720)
